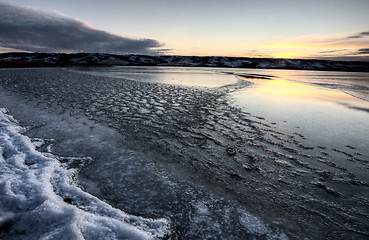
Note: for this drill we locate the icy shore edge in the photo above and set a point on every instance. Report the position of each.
(39, 199)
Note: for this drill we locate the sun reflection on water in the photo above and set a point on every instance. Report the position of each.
(286, 89)
(326, 117)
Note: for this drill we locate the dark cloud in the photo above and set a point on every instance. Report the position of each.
(345, 54)
(362, 51)
(27, 29)
(334, 51)
(360, 35)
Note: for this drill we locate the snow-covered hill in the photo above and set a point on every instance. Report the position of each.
(99, 59)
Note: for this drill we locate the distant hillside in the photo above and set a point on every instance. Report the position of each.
(11, 60)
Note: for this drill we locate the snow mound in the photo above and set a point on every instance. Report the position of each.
(39, 199)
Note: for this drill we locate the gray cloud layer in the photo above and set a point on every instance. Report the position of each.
(360, 35)
(363, 51)
(23, 28)
(334, 51)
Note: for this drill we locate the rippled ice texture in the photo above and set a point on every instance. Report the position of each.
(125, 178)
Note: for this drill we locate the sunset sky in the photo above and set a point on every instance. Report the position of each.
(323, 29)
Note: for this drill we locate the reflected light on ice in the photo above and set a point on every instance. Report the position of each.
(286, 89)
(325, 116)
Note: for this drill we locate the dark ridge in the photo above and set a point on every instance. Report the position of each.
(25, 60)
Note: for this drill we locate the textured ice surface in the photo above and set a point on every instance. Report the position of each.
(278, 172)
(136, 186)
(203, 213)
(72, 210)
(40, 201)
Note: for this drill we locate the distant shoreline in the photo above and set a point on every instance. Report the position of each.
(31, 60)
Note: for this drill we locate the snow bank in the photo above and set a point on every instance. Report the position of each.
(38, 199)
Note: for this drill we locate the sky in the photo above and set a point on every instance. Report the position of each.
(319, 29)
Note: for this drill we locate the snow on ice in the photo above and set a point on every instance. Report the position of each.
(39, 199)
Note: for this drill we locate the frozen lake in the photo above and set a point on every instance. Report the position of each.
(185, 76)
(217, 153)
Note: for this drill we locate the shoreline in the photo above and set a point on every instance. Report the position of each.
(39, 187)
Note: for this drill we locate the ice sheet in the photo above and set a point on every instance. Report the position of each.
(194, 77)
(281, 173)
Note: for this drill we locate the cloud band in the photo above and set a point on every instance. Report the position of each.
(24, 28)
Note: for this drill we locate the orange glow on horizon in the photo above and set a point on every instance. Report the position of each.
(288, 55)
(310, 46)
(290, 48)
(283, 45)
